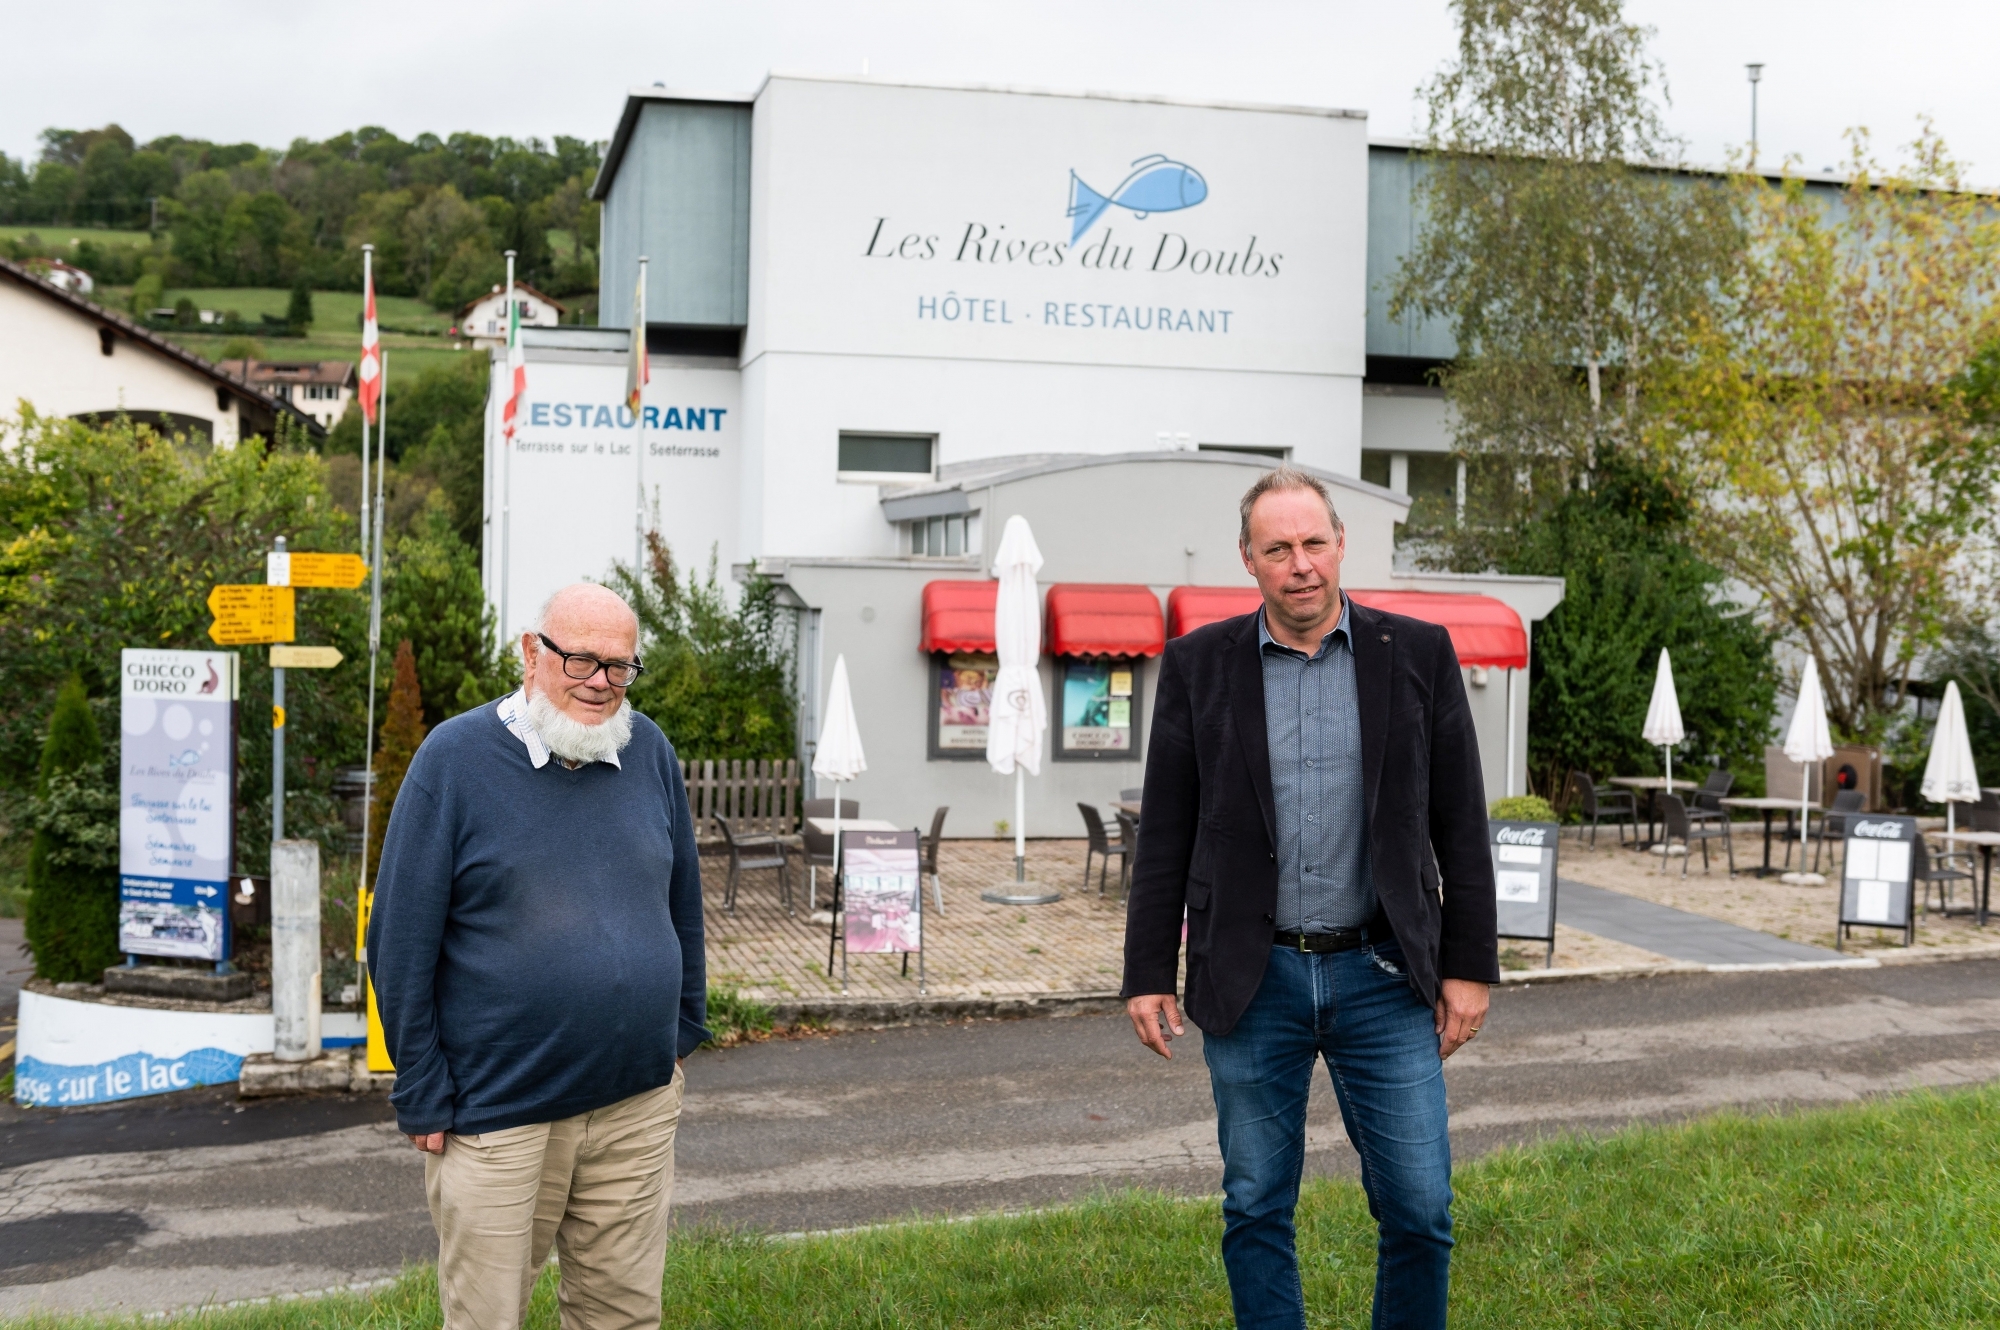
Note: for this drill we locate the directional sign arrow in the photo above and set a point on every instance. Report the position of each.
(305, 658)
(248, 614)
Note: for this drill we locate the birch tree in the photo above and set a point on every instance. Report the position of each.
(1824, 408)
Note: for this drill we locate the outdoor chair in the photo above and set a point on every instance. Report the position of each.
(748, 852)
(1984, 815)
(1593, 805)
(1708, 799)
(1128, 834)
(1133, 796)
(1100, 844)
(1679, 826)
(819, 844)
(1942, 869)
(1833, 822)
(927, 855)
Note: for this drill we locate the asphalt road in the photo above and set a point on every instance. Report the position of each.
(174, 1201)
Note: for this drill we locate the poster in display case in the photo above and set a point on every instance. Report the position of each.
(1099, 700)
(961, 703)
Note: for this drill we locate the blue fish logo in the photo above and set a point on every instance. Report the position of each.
(1157, 184)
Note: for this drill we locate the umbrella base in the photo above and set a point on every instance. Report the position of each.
(1020, 893)
(1803, 879)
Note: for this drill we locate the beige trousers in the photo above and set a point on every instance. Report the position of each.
(596, 1186)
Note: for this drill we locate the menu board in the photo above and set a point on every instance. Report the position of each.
(1876, 871)
(1524, 878)
(882, 886)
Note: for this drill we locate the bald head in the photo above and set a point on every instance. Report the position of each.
(583, 619)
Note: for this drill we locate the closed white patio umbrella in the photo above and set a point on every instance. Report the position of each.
(1018, 716)
(838, 757)
(1663, 716)
(1950, 776)
(1808, 741)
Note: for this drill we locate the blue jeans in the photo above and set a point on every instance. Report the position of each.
(1357, 1010)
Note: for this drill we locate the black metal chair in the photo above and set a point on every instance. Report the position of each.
(1679, 826)
(1941, 869)
(1707, 805)
(750, 852)
(927, 855)
(1128, 835)
(819, 844)
(1100, 844)
(1833, 822)
(1593, 805)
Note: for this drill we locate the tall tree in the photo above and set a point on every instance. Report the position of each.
(1825, 406)
(1556, 240)
(403, 732)
(72, 923)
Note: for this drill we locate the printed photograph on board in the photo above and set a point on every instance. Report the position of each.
(882, 889)
(965, 698)
(1097, 706)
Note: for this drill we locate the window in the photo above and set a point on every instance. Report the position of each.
(1098, 700)
(961, 702)
(1254, 449)
(886, 457)
(943, 537)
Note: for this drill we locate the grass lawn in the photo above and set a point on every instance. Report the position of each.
(1881, 1215)
(407, 356)
(70, 235)
(335, 313)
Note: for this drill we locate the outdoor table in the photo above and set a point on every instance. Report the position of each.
(1652, 785)
(1986, 841)
(1126, 806)
(1767, 807)
(825, 825)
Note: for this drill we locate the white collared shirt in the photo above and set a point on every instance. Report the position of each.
(513, 713)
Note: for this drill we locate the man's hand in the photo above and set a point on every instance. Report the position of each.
(1157, 1019)
(1461, 1010)
(432, 1144)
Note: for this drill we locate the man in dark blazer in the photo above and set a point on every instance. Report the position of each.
(1314, 811)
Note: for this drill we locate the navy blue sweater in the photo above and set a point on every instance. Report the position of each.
(536, 942)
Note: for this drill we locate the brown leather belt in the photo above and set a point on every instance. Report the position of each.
(1340, 939)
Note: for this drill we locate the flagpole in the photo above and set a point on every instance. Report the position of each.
(367, 284)
(639, 440)
(507, 460)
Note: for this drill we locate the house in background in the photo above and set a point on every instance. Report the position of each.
(65, 275)
(485, 319)
(64, 356)
(320, 388)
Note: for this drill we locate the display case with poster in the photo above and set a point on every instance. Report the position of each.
(176, 802)
(1877, 880)
(879, 907)
(961, 696)
(1524, 881)
(1099, 699)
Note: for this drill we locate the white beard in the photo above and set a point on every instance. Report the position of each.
(572, 740)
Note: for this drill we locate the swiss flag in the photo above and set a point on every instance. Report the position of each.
(370, 371)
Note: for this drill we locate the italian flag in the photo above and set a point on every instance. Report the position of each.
(370, 371)
(517, 370)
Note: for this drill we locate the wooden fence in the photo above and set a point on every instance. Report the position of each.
(756, 797)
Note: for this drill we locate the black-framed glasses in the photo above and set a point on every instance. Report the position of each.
(581, 665)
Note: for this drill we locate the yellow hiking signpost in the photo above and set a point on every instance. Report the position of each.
(341, 572)
(305, 658)
(245, 615)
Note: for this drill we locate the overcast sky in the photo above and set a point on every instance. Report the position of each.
(234, 71)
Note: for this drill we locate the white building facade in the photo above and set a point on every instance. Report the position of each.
(884, 318)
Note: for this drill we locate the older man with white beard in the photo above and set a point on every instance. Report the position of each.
(536, 948)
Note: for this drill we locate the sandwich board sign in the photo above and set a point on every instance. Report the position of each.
(882, 893)
(1524, 880)
(176, 802)
(1877, 875)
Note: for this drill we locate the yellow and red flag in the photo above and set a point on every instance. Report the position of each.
(639, 373)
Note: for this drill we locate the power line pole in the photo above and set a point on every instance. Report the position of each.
(1756, 76)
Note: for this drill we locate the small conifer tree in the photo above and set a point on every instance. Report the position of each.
(402, 734)
(299, 312)
(72, 916)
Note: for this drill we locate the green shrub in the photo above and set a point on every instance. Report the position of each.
(72, 923)
(1523, 808)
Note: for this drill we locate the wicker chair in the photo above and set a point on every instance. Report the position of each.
(1679, 826)
(1593, 806)
(927, 851)
(1100, 844)
(748, 853)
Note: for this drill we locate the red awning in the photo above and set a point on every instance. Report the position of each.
(1484, 631)
(958, 616)
(1192, 607)
(1090, 619)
